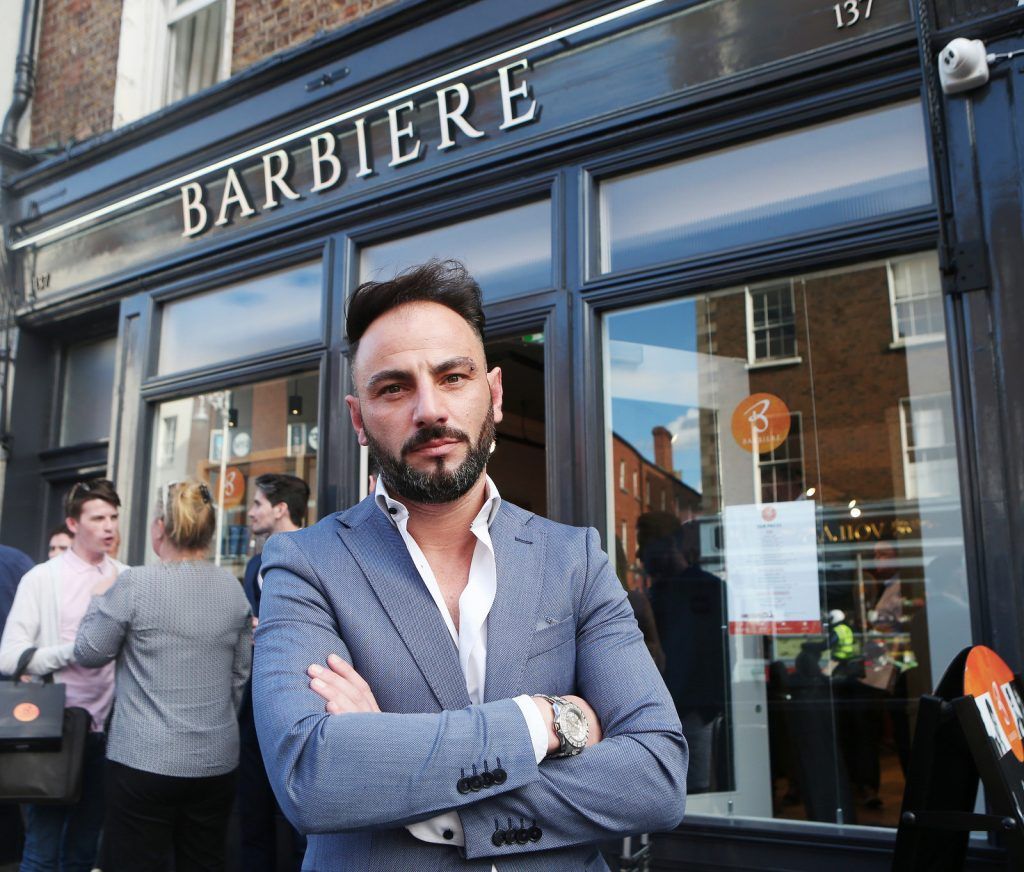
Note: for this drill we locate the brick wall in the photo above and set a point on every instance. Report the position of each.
(77, 60)
(76, 68)
(265, 27)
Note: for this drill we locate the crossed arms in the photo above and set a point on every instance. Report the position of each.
(366, 769)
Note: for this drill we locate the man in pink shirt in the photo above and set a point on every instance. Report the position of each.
(48, 607)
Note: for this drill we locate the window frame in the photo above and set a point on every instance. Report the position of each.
(910, 478)
(918, 338)
(753, 361)
(763, 464)
(145, 54)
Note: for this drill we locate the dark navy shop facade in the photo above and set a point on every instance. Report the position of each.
(752, 279)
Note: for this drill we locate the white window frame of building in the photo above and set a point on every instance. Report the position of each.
(915, 299)
(636, 484)
(168, 440)
(624, 532)
(146, 53)
(751, 293)
(929, 470)
(622, 474)
(768, 461)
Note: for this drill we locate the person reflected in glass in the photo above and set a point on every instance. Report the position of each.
(181, 635)
(641, 605)
(279, 505)
(689, 612)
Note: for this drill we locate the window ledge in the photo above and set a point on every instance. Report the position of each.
(913, 341)
(775, 361)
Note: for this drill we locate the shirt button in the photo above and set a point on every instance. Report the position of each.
(448, 834)
(393, 511)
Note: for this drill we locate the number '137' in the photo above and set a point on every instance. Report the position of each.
(849, 12)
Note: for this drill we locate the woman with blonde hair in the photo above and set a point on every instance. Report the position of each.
(180, 633)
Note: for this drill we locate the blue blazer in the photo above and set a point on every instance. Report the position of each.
(560, 624)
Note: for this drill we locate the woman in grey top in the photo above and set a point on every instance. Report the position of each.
(182, 637)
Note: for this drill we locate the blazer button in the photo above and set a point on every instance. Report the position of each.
(488, 779)
(534, 833)
(475, 782)
(500, 776)
(448, 834)
(463, 785)
(498, 838)
(522, 837)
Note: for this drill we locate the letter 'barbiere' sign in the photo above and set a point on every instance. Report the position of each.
(453, 118)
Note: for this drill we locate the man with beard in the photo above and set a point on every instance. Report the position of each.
(444, 680)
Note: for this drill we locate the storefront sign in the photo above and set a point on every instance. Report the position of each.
(453, 111)
(761, 423)
(586, 77)
(771, 562)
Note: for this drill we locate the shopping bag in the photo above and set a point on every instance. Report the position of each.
(31, 715)
(35, 767)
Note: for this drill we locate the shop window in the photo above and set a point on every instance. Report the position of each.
(781, 470)
(226, 438)
(929, 446)
(800, 497)
(915, 289)
(508, 253)
(793, 183)
(772, 323)
(87, 391)
(169, 50)
(264, 314)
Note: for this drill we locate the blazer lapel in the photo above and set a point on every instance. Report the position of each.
(378, 548)
(519, 557)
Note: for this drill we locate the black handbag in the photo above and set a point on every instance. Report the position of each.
(42, 744)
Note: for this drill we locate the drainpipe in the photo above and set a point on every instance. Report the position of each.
(24, 73)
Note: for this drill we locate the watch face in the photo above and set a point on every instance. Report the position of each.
(574, 726)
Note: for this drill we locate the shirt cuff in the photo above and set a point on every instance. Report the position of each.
(535, 723)
(434, 830)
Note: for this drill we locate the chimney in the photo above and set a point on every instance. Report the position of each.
(662, 448)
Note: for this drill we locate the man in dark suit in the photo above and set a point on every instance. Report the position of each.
(278, 506)
(444, 680)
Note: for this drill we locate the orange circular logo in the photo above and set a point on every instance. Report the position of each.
(760, 422)
(990, 681)
(26, 712)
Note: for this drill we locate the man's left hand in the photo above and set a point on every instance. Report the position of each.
(344, 689)
(105, 583)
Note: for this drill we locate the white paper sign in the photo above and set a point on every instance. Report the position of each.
(771, 560)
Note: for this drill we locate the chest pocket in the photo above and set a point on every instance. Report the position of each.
(550, 636)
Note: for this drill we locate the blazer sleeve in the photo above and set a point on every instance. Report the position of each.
(634, 779)
(333, 773)
(23, 628)
(105, 625)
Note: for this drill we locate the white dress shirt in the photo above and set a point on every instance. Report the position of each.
(470, 637)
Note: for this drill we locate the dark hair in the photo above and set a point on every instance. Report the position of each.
(83, 491)
(60, 530)
(446, 282)
(189, 518)
(288, 489)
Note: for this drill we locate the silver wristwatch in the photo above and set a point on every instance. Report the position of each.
(571, 726)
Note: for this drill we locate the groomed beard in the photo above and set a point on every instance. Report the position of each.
(438, 485)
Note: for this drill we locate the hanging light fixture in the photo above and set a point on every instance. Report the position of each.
(294, 401)
(232, 418)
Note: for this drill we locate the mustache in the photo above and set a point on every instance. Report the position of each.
(429, 434)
